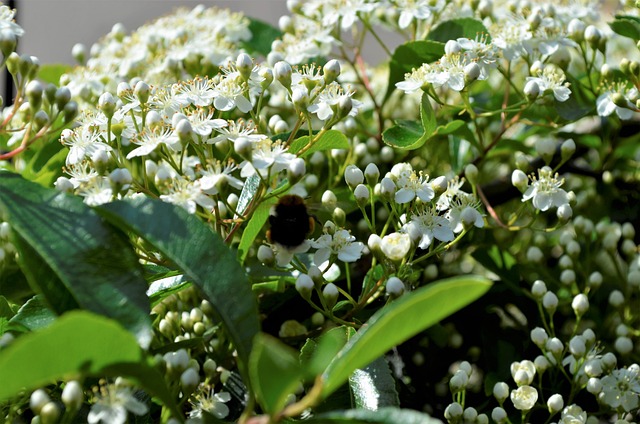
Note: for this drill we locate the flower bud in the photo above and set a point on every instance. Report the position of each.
(330, 294)
(38, 399)
(580, 304)
(282, 72)
(70, 111)
(452, 47)
(499, 415)
(539, 337)
(387, 188)
(72, 395)
(453, 412)
(471, 173)
(107, 104)
(304, 286)
(64, 185)
(576, 29)
(577, 347)
(345, 105)
(471, 72)
(616, 298)
(265, 255)
(267, 77)
(353, 176)
(300, 98)
(8, 42)
(329, 199)
(593, 36)
(567, 149)
(361, 193)
(501, 392)
(538, 289)
(395, 287)
(519, 180)
(142, 91)
(120, 180)
(555, 403)
(244, 65)
(331, 71)
(372, 173)
(297, 169)
(534, 254)
(531, 90)
(555, 346)
(50, 413)
(594, 386)
(34, 92)
(189, 380)
(624, 345)
(79, 53)
(243, 147)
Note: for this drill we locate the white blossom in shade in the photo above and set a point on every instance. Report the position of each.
(267, 156)
(114, 404)
(96, 191)
(545, 190)
(523, 372)
(80, 173)
(452, 191)
(511, 35)
(82, 143)
(229, 94)
(341, 244)
(605, 105)
(573, 414)
(203, 124)
(396, 246)
(236, 129)
(552, 80)
(410, 185)
(426, 226)
(215, 176)
(167, 101)
(524, 397)
(621, 388)
(464, 212)
(480, 51)
(197, 92)
(188, 195)
(284, 254)
(150, 140)
(210, 402)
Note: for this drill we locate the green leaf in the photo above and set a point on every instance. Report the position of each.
(5, 308)
(33, 315)
(387, 415)
(201, 255)
(253, 228)
(332, 139)
(459, 28)
(409, 135)
(51, 73)
(249, 190)
(400, 320)
(78, 343)
(72, 257)
(274, 371)
(262, 36)
(627, 26)
(409, 56)
(373, 386)
(316, 355)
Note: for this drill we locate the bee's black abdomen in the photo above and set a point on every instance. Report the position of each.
(290, 222)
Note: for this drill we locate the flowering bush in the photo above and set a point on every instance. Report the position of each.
(473, 257)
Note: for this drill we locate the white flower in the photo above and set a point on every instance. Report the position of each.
(284, 254)
(573, 414)
(524, 397)
(523, 372)
(395, 246)
(410, 185)
(188, 195)
(545, 190)
(113, 405)
(197, 92)
(96, 191)
(267, 155)
(210, 402)
(202, 124)
(215, 176)
(235, 130)
(552, 80)
(150, 140)
(82, 143)
(605, 105)
(328, 100)
(341, 244)
(229, 94)
(413, 9)
(427, 225)
(621, 388)
(464, 212)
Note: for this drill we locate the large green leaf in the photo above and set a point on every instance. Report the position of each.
(387, 415)
(402, 319)
(71, 256)
(201, 255)
(411, 56)
(459, 28)
(253, 228)
(78, 344)
(627, 26)
(33, 315)
(275, 372)
(408, 135)
(373, 387)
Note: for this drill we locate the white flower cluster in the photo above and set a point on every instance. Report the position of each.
(544, 191)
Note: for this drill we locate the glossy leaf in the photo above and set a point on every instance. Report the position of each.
(33, 315)
(201, 255)
(410, 56)
(373, 387)
(407, 316)
(330, 140)
(51, 73)
(408, 135)
(387, 415)
(274, 371)
(71, 256)
(254, 227)
(627, 26)
(316, 355)
(459, 28)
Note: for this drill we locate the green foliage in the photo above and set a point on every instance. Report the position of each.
(406, 317)
(459, 28)
(262, 36)
(627, 26)
(51, 72)
(329, 140)
(73, 257)
(409, 56)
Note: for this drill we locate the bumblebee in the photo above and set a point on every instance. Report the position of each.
(290, 222)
